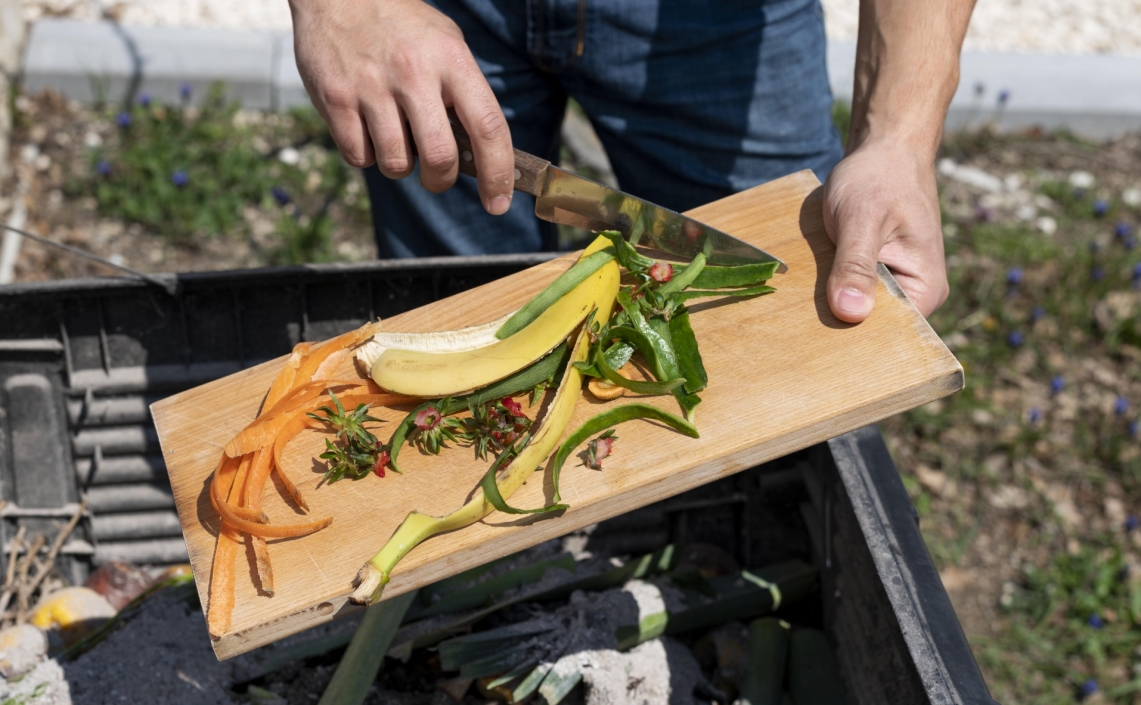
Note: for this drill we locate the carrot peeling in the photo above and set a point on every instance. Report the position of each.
(270, 531)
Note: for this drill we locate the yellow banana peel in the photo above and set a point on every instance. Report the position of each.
(433, 374)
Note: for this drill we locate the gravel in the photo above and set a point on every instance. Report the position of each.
(1042, 26)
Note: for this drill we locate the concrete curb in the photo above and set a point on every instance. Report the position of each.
(1094, 96)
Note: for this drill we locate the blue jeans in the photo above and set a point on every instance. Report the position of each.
(693, 101)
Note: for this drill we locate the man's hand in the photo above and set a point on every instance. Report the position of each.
(379, 70)
(880, 205)
(880, 202)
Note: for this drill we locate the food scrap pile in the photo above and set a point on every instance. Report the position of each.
(588, 324)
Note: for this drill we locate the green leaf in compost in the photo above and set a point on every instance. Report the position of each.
(557, 289)
(689, 360)
(703, 294)
(741, 275)
(609, 419)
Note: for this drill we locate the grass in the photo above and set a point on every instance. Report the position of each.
(1025, 309)
(189, 173)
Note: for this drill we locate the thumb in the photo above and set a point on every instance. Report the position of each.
(852, 282)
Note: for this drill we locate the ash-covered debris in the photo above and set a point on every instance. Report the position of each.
(160, 655)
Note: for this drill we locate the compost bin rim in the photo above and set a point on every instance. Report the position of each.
(237, 276)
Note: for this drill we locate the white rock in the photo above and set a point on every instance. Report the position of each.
(92, 140)
(1046, 225)
(1009, 497)
(1026, 212)
(978, 178)
(1132, 197)
(1081, 179)
(947, 166)
(1013, 182)
(29, 152)
(21, 648)
(289, 156)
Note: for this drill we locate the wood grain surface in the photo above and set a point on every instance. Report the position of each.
(783, 374)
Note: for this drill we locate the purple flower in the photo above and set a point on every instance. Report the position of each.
(1097, 273)
(1035, 415)
(179, 178)
(1121, 230)
(1057, 384)
(103, 167)
(1014, 276)
(1137, 271)
(1129, 243)
(1133, 428)
(986, 215)
(145, 100)
(184, 91)
(1120, 406)
(1095, 620)
(1037, 314)
(1003, 96)
(1132, 522)
(1089, 688)
(1100, 206)
(1016, 339)
(123, 120)
(281, 196)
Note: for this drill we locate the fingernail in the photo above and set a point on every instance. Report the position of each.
(499, 205)
(852, 301)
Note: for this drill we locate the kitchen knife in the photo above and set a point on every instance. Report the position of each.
(569, 199)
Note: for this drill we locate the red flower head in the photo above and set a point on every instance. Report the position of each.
(662, 272)
(513, 407)
(428, 419)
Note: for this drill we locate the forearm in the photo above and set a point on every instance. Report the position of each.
(907, 69)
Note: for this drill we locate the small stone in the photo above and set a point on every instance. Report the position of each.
(1081, 179)
(21, 648)
(289, 156)
(119, 582)
(1009, 497)
(92, 140)
(1026, 212)
(1046, 225)
(1131, 197)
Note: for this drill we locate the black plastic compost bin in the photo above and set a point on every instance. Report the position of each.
(81, 360)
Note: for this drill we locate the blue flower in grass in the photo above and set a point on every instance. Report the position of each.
(1015, 339)
(123, 120)
(1035, 415)
(1100, 207)
(281, 196)
(1133, 428)
(1037, 314)
(103, 167)
(1014, 276)
(1057, 384)
(1132, 522)
(145, 100)
(1089, 688)
(185, 91)
(1097, 273)
(1120, 406)
(179, 178)
(1121, 230)
(1095, 620)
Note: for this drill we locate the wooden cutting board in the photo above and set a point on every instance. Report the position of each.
(783, 374)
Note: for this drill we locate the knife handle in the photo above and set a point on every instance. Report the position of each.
(529, 169)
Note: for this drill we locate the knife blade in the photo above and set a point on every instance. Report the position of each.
(566, 198)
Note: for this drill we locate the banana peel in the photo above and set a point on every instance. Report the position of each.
(422, 373)
(417, 527)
